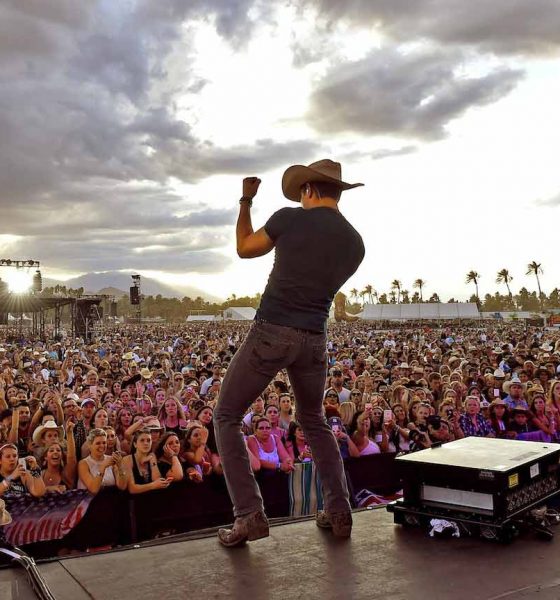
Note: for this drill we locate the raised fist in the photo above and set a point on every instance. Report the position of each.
(251, 186)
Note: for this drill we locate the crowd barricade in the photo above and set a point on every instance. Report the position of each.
(115, 517)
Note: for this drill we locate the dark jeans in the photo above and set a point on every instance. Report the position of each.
(267, 349)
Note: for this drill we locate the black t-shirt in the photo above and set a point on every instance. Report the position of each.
(317, 250)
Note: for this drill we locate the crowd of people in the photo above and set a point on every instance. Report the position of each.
(133, 407)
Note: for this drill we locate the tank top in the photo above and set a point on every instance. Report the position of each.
(371, 448)
(139, 477)
(94, 469)
(269, 456)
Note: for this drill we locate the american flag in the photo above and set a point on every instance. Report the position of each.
(48, 518)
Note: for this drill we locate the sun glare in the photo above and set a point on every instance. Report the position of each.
(18, 281)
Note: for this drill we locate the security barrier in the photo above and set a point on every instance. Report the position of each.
(115, 517)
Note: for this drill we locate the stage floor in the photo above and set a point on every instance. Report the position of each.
(299, 561)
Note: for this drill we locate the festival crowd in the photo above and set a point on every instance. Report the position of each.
(133, 407)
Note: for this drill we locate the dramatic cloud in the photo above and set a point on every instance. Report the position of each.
(409, 95)
(502, 26)
(90, 138)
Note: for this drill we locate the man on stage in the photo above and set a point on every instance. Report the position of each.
(316, 251)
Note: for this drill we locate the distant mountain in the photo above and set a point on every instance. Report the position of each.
(118, 284)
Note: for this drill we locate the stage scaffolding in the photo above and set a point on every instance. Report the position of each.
(27, 312)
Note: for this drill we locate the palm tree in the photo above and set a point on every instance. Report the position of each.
(535, 268)
(397, 285)
(473, 277)
(503, 276)
(362, 295)
(419, 283)
(368, 290)
(376, 296)
(354, 294)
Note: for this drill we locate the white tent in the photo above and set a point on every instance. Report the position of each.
(239, 313)
(423, 310)
(192, 318)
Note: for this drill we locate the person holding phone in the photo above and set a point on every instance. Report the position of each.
(19, 476)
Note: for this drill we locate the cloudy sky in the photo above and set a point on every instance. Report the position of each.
(126, 128)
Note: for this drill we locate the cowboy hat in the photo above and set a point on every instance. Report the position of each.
(146, 373)
(42, 429)
(513, 381)
(325, 170)
(5, 518)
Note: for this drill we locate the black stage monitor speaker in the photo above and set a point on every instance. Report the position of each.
(477, 480)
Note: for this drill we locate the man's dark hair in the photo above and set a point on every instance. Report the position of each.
(327, 190)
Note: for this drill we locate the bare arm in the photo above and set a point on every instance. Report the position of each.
(69, 472)
(14, 431)
(352, 448)
(250, 244)
(92, 483)
(176, 470)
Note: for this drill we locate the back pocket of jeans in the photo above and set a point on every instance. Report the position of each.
(268, 356)
(319, 354)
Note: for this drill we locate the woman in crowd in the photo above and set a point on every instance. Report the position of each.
(472, 422)
(171, 415)
(356, 397)
(58, 473)
(205, 416)
(17, 479)
(296, 445)
(553, 398)
(159, 398)
(401, 443)
(345, 444)
(99, 420)
(100, 470)
(167, 455)
(347, 411)
(107, 398)
(286, 410)
(113, 443)
(400, 396)
(124, 421)
(272, 413)
(196, 453)
(412, 409)
(419, 420)
(141, 467)
(361, 436)
(59, 463)
(271, 452)
(542, 417)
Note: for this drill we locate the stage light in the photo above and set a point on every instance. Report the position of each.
(19, 282)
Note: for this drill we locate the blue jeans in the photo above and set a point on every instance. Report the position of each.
(267, 349)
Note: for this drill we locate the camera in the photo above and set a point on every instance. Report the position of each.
(434, 421)
(414, 435)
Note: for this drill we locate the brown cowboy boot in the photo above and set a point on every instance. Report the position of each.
(253, 526)
(340, 523)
